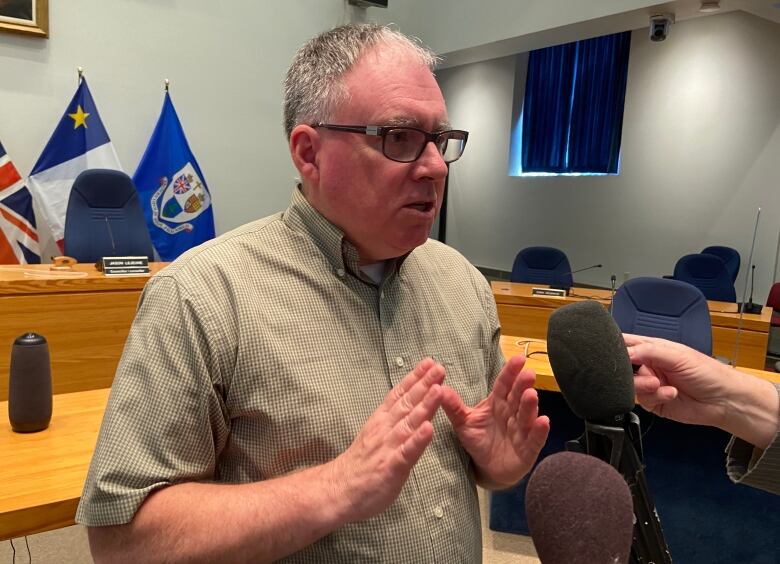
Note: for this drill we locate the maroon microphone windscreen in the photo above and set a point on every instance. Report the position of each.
(579, 510)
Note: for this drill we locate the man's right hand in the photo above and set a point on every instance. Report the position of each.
(372, 471)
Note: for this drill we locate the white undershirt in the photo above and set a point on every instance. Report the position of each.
(374, 271)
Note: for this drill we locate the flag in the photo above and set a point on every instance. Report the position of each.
(18, 233)
(79, 142)
(173, 191)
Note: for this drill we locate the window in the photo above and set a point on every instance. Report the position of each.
(572, 115)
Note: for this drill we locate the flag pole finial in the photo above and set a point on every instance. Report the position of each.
(167, 84)
(81, 73)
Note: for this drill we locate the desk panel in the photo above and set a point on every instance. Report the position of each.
(521, 313)
(84, 315)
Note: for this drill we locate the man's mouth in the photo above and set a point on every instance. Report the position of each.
(423, 207)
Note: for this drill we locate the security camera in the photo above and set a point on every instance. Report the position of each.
(659, 26)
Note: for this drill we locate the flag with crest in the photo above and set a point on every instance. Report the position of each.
(173, 191)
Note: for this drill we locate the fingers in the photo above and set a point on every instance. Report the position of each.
(422, 413)
(527, 430)
(411, 391)
(412, 449)
(506, 378)
(400, 389)
(457, 411)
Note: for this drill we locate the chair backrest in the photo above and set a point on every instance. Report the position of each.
(773, 300)
(542, 265)
(729, 256)
(660, 307)
(709, 274)
(105, 218)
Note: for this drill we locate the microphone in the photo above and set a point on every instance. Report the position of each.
(749, 306)
(590, 362)
(579, 510)
(613, 283)
(567, 288)
(741, 307)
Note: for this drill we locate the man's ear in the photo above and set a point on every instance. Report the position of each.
(304, 145)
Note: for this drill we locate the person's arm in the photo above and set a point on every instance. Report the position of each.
(265, 521)
(679, 383)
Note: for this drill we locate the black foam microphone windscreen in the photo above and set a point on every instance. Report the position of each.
(579, 510)
(29, 384)
(590, 361)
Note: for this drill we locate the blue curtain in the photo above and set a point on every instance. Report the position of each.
(573, 107)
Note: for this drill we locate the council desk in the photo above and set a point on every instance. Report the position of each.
(522, 313)
(84, 315)
(43, 473)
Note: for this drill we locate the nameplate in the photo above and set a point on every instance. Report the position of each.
(125, 266)
(548, 292)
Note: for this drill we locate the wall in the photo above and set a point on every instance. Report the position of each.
(442, 23)
(701, 142)
(225, 60)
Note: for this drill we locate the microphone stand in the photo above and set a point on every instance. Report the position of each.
(620, 445)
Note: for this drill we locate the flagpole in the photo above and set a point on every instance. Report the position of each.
(167, 84)
(81, 74)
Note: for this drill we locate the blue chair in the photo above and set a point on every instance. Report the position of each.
(729, 256)
(105, 218)
(669, 309)
(709, 274)
(542, 265)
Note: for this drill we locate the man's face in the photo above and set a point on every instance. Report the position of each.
(385, 208)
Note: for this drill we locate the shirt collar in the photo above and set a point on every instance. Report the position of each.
(340, 253)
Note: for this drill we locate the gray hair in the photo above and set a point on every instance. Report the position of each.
(313, 88)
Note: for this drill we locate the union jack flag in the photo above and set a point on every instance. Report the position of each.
(18, 233)
(181, 185)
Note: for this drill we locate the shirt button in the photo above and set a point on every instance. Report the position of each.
(340, 273)
(382, 295)
(399, 361)
(438, 512)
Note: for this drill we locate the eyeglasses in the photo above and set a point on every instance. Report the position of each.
(406, 144)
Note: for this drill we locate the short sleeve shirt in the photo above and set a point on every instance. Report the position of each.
(264, 352)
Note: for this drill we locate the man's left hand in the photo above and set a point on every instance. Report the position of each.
(503, 433)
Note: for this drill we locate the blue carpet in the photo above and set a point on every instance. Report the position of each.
(705, 517)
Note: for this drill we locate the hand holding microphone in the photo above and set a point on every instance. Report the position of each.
(682, 384)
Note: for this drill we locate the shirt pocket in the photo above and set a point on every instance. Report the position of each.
(465, 373)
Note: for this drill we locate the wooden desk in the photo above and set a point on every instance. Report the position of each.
(85, 317)
(540, 363)
(42, 474)
(521, 313)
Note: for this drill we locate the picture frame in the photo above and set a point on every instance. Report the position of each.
(30, 17)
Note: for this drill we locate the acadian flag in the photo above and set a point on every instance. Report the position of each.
(79, 142)
(173, 192)
(18, 233)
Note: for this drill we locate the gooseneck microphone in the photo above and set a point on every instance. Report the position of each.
(561, 286)
(579, 511)
(591, 365)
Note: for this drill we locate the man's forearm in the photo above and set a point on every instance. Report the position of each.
(257, 522)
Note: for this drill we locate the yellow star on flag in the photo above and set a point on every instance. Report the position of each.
(79, 118)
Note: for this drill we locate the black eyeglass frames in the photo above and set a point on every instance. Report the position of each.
(406, 144)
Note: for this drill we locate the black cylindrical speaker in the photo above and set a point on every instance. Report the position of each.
(29, 384)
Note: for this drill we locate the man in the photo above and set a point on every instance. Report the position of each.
(679, 383)
(264, 406)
